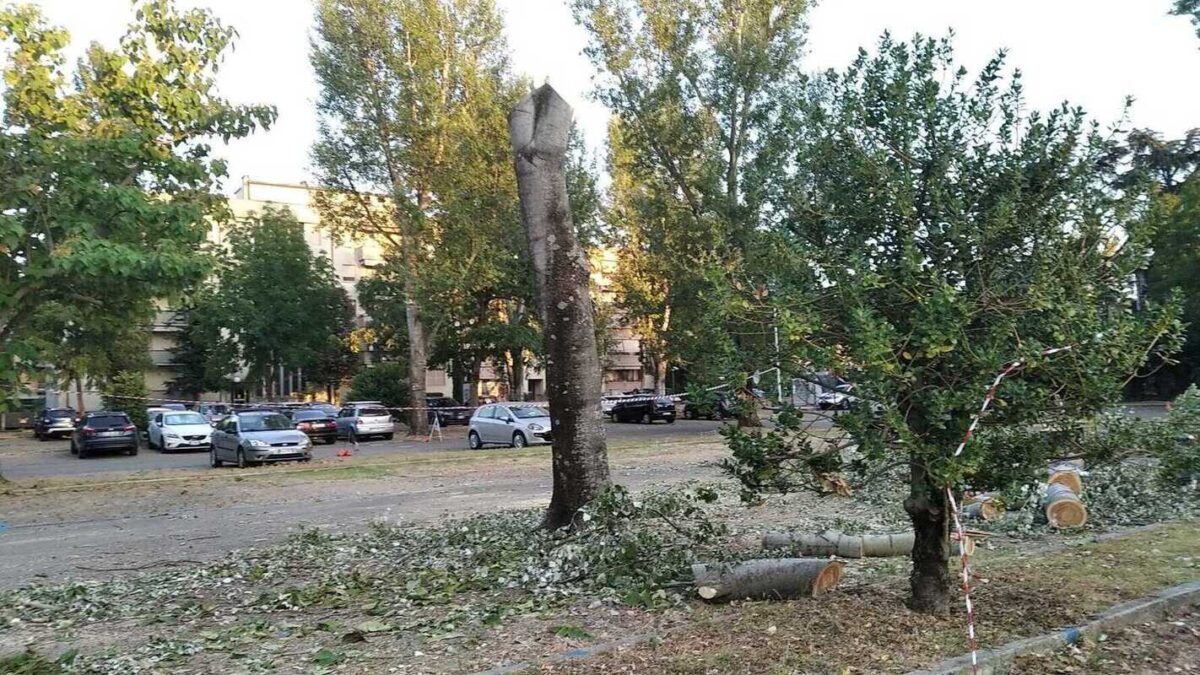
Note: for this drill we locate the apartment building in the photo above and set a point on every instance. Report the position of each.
(354, 260)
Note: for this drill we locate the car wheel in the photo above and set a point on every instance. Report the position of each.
(331, 440)
(670, 420)
(473, 441)
(83, 452)
(647, 419)
(519, 440)
(39, 435)
(132, 451)
(213, 460)
(241, 458)
(74, 449)
(388, 437)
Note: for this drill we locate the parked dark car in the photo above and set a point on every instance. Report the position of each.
(327, 408)
(719, 409)
(447, 410)
(104, 430)
(316, 424)
(214, 411)
(54, 422)
(644, 409)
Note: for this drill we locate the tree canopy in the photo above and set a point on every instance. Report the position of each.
(109, 181)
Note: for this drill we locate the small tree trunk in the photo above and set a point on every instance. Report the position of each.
(418, 419)
(471, 390)
(660, 374)
(538, 126)
(748, 415)
(930, 578)
(79, 395)
(518, 374)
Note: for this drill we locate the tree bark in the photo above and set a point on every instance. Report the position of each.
(418, 419)
(79, 395)
(748, 413)
(660, 374)
(538, 126)
(930, 578)
(471, 387)
(844, 545)
(769, 579)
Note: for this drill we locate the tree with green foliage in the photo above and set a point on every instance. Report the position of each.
(410, 144)
(936, 231)
(204, 356)
(1188, 8)
(109, 182)
(695, 89)
(384, 382)
(126, 391)
(279, 302)
(1172, 168)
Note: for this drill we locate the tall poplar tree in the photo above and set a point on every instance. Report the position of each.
(410, 117)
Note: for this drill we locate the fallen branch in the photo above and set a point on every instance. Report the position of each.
(767, 579)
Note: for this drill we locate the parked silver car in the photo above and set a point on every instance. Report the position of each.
(359, 420)
(509, 424)
(254, 437)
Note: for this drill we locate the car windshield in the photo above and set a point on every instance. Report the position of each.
(309, 415)
(529, 412)
(59, 414)
(374, 412)
(107, 421)
(665, 400)
(268, 422)
(184, 418)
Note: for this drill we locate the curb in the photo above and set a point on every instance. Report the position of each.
(997, 659)
(570, 655)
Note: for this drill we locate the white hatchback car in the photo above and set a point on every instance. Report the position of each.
(171, 430)
(509, 424)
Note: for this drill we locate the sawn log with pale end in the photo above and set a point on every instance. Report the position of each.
(1064, 508)
(844, 545)
(767, 579)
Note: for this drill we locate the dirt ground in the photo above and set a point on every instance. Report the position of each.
(1170, 645)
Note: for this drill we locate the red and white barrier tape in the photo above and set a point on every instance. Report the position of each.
(964, 559)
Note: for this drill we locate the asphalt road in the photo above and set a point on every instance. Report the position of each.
(22, 457)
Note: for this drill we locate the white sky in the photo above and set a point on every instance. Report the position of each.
(1090, 52)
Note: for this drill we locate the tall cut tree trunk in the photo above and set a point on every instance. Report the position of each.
(538, 126)
(748, 414)
(418, 419)
(930, 578)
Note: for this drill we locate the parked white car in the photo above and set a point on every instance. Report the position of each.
(171, 430)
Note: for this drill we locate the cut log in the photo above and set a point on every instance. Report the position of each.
(1069, 478)
(844, 545)
(1064, 508)
(982, 509)
(767, 579)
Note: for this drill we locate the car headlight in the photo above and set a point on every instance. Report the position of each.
(258, 444)
(536, 427)
(174, 437)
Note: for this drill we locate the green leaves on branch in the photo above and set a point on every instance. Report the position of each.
(109, 182)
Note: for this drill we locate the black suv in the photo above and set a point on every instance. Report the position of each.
(104, 430)
(721, 408)
(54, 422)
(447, 410)
(644, 409)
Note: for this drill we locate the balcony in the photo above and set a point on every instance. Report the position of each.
(162, 358)
(623, 360)
(367, 256)
(167, 321)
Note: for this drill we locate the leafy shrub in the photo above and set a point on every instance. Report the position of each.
(126, 391)
(384, 382)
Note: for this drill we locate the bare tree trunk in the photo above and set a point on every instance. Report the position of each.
(930, 578)
(660, 374)
(418, 360)
(79, 395)
(517, 374)
(471, 387)
(538, 126)
(748, 413)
